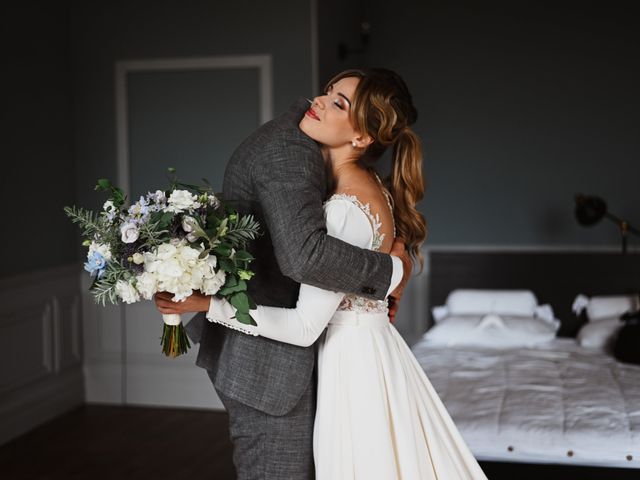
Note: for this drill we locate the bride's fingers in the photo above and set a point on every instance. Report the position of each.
(167, 310)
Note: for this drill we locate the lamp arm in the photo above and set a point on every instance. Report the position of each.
(619, 221)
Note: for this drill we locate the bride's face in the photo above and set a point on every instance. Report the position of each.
(328, 120)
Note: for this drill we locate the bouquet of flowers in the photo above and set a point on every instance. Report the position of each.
(178, 241)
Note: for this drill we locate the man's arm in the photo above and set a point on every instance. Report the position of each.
(289, 183)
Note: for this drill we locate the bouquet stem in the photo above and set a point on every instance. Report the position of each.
(174, 337)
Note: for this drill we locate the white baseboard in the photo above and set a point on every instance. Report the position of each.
(170, 386)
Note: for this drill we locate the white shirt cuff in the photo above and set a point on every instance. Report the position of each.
(396, 275)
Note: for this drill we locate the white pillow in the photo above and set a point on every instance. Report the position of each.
(494, 331)
(607, 306)
(601, 334)
(501, 302)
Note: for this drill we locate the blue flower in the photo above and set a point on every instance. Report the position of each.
(95, 264)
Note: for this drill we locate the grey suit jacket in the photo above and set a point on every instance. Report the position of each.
(278, 175)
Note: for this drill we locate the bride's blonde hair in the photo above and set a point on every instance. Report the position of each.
(382, 108)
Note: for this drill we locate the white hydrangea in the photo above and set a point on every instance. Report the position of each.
(127, 292)
(210, 286)
(101, 248)
(176, 268)
(147, 285)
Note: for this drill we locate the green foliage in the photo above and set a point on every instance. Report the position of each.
(89, 222)
(117, 195)
(104, 289)
(242, 303)
(246, 228)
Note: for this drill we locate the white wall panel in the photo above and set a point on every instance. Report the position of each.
(41, 367)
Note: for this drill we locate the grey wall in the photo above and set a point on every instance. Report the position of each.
(105, 32)
(339, 23)
(37, 155)
(58, 109)
(521, 104)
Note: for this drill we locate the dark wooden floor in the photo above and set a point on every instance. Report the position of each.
(101, 442)
(131, 443)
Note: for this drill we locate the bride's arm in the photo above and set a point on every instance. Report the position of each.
(315, 307)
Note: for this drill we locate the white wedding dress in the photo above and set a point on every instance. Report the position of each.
(378, 416)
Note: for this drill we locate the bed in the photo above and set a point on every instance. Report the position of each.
(554, 402)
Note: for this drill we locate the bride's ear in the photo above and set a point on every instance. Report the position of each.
(363, 141)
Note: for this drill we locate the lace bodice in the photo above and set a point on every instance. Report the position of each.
(347, 219)
(352, 302)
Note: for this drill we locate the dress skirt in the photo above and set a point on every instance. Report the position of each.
(378, 416)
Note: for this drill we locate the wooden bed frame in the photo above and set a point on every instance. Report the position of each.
(556, 278)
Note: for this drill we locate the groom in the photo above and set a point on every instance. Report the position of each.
(267, 387)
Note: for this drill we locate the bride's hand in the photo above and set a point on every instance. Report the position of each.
(196, 302)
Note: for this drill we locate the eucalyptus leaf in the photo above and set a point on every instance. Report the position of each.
(241, 286)
(240, 300)
(244, 256)
(245, 318)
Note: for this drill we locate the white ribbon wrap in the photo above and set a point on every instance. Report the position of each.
(172, 319)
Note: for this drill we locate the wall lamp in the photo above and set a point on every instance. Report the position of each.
(591, 209)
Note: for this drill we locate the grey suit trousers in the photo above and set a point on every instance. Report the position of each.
(270, 447)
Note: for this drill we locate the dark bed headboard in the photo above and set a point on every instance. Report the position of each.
(555, 277)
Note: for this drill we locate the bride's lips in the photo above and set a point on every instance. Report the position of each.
(312, 114)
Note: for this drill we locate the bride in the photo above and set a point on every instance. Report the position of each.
(377, 414)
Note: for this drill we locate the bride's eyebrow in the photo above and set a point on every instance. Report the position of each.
(345, 97)
(330, 88)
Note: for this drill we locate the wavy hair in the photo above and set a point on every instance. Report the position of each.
(382, 108)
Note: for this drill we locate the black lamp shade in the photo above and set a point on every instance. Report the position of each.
(589, 209)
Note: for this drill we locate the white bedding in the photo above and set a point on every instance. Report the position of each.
(557, 403)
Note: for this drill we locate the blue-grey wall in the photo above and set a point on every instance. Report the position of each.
(58, 113)
(106, 32)
(37, 138)
(521, 104)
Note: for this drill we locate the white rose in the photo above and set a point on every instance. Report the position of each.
(180, 200)
(147, 285)
(127, 292)
(210, 286)
(129, 232)
(138, 258)
(188, 223)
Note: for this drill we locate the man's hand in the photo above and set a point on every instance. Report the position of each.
(196, 302)
(398, 250)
